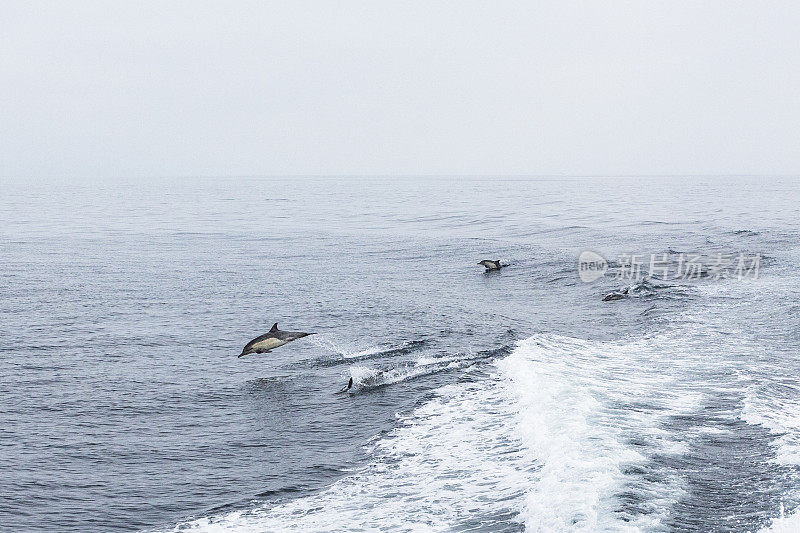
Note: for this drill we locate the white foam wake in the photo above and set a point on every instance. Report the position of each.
(590, 413)
(785, 523)
(346, 351)
(552, 439)
(452, 460)
(365, 377)
(775, 404)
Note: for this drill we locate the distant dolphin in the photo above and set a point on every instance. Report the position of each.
(616, 295)
(492, 264)
(269, 341)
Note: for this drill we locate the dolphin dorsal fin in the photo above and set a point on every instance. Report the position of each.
(274, 327)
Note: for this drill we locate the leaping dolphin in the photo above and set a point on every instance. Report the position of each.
(271, 340)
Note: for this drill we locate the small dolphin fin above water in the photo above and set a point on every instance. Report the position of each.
(271, 340)
(350, 384)
(348, 387)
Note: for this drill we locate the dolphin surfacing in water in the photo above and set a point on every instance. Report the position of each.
(616, 295)
(492, 264)
(271, 340)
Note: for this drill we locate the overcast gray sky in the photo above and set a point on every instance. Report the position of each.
(139, 88)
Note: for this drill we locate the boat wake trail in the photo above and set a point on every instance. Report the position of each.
(557, 434)
(542, 442)
(367, 378)
(344, 354)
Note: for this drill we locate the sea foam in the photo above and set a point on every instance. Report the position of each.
(541, 441)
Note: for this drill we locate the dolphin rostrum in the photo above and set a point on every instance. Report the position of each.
(271, 340)
(492, 264)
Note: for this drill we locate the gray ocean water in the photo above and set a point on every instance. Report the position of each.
(510, 401)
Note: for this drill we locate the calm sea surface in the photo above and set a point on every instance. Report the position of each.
(510, 401)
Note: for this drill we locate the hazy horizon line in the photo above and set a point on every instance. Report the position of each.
(396, 176)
